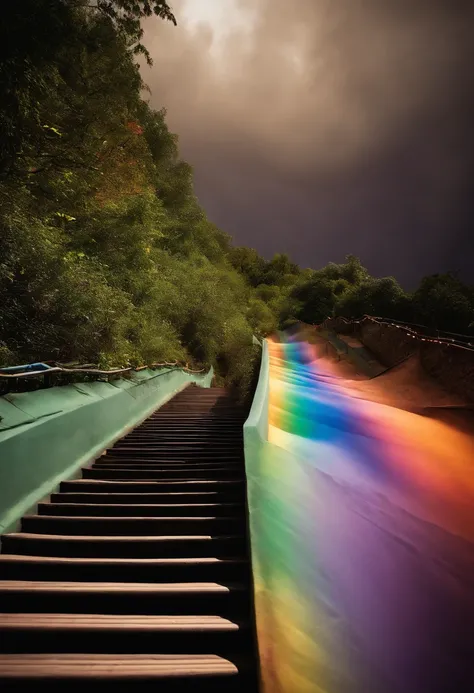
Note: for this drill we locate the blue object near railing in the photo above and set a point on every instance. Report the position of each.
(26, 368)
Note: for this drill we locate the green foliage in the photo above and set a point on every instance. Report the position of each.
(380, 297)
(444, 302)
(249, 263)
(261, 318)
(106, 256)
(315, 299)
(441, 301)
(127, 15)
(7, 357)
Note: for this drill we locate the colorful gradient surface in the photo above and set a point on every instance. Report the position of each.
(362, 524)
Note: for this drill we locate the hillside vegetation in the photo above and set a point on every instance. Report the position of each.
(106, 256)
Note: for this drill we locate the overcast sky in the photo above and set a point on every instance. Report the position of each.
(327, 127)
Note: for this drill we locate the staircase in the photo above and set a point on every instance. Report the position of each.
(138, 573)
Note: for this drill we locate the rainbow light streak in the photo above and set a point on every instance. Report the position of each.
(362, 540)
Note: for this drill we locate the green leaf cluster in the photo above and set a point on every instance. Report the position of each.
(106, 256)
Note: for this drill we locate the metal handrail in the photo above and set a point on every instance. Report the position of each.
(93, 371)
(468, 346)
(424, 327)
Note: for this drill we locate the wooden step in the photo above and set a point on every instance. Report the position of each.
(171, 498)
(191, 466)
(135, 526)
(158, 474)
(186, 418)
(194, 598)
(178, 465)
(142, 509)
(138, 574)
(171, 431)
(178, 443)
(203, 569)
(171, 475)
(104, 486)
(105, 633)
(178, 427)
(167, 432)
(168, 454)
(209, 673)
(124, 546)
(145, 463)
(186, 459)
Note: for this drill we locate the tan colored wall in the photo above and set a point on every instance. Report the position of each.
(451, 366)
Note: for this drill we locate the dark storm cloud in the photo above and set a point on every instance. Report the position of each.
(331, 126)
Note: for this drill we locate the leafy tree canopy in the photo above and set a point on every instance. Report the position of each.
(106, 256)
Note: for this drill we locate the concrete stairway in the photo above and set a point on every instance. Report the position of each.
(138, 573)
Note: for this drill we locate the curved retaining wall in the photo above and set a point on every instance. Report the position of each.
(47, 435)
(451, 366)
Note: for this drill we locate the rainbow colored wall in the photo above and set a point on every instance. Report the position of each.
(362, 533)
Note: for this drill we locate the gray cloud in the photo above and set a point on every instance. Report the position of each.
(330, 126)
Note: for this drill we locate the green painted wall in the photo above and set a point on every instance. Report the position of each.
(47, 435)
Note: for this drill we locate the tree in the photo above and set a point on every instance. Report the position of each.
(106, 255)
(444, 302)
(126, 16)
(380, 297)
(249, 263)
(261, 318)
(315, 300)
(280, 270)
(48, 81)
